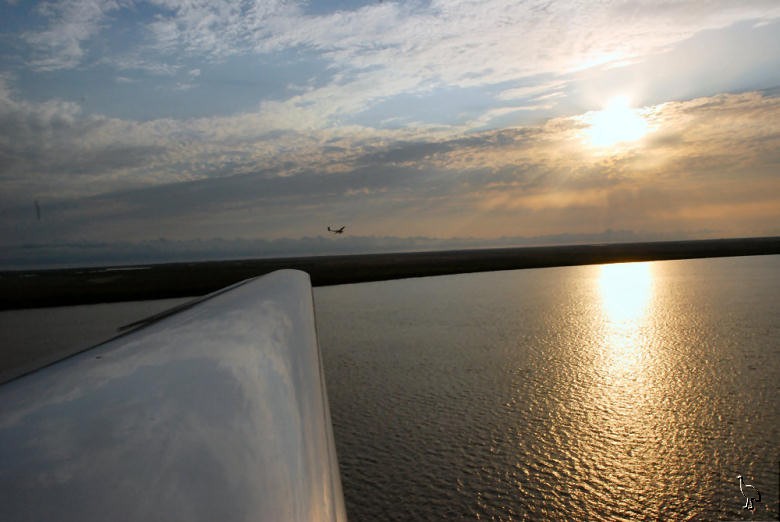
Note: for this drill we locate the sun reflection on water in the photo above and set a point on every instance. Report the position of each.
(619, 385)
(626, 291)
(624, 390)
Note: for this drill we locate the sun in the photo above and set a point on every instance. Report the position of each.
(617, 123)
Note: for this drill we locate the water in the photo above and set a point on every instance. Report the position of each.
(619, 392)
(34, 338)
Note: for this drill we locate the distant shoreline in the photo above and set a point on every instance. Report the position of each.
(73, 286)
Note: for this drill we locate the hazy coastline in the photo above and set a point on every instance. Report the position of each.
(65, 287)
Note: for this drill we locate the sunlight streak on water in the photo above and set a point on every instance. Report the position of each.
(619, 445)
(625, 292)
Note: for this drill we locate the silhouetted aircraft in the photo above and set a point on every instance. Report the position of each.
(336, 230)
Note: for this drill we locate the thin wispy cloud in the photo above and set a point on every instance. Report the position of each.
(384, 49)
(71, 24)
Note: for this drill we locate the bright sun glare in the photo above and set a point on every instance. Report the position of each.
(617, 123)
(626, 289)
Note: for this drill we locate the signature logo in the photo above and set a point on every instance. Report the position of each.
(750, 492)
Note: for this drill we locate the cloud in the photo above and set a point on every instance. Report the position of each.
(384, 49)
(257, 174)
(53, 149)
(348, 142)
(135, 62)
(181, 86)
(71, 23)
(538, 91)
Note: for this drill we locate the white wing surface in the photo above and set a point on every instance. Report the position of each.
(218, 412)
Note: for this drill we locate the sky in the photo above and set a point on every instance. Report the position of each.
(222, 128)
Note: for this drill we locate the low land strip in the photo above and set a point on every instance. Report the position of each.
(64, 287)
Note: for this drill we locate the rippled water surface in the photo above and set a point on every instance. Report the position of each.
(634, 391)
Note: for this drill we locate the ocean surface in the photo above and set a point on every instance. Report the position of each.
(613, 392)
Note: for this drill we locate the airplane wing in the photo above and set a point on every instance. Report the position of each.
(217, 412)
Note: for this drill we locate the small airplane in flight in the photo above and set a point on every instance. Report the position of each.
(336, 230)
